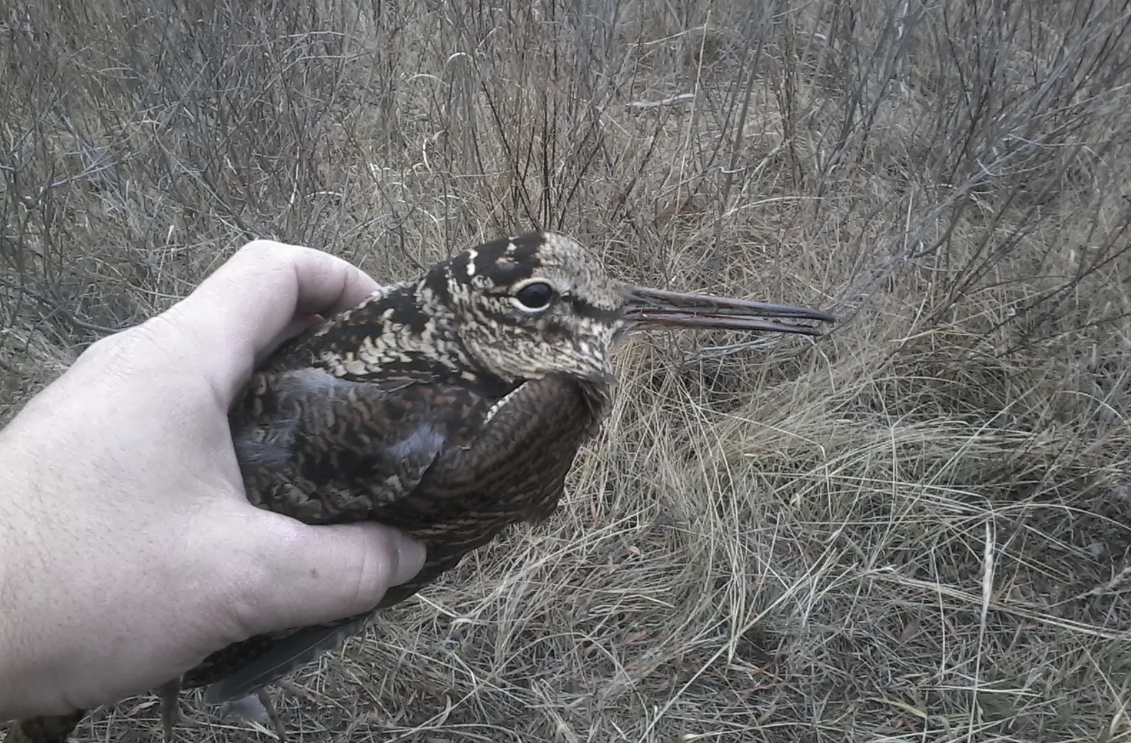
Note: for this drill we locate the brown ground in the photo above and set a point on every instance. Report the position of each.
(916, 529)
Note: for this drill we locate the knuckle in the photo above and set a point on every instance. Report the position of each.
(262, 250)
(377, 568)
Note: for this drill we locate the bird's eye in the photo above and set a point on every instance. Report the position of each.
(535, 296)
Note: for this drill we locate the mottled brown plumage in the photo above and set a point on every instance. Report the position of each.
(450, 406)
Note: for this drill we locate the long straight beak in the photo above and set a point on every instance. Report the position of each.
(649, 309)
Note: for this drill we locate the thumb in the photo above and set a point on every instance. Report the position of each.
(315, 574)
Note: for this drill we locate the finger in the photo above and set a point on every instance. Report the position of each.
(294, 327)
(247, 307)
(315, 574)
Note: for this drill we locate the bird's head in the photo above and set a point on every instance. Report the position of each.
(539, 304)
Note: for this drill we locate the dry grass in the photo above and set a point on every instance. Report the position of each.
(915, 529)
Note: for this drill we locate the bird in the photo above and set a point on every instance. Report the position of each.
(450, 406)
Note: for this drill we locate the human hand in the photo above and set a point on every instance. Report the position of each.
(128, 550)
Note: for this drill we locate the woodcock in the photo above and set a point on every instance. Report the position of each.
(450, 406)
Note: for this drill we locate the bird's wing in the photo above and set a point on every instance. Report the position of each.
(475, 466)
(324, 449)
(513, 470)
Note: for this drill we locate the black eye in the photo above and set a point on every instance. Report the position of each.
(536, 295)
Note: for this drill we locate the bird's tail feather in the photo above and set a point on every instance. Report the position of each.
(288, 654)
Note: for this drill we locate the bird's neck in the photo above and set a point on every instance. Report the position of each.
(406, 332)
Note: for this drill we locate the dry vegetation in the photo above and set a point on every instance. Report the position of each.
(915, 529)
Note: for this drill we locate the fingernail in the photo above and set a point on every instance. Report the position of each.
(410, 558)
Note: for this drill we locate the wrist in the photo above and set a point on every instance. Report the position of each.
(19, 673)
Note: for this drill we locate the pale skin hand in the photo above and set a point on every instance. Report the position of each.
(128, 551)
